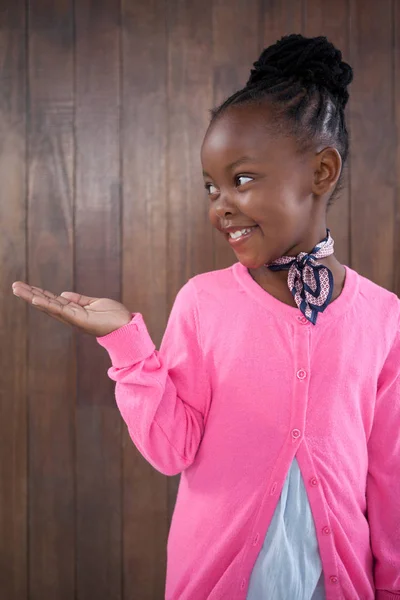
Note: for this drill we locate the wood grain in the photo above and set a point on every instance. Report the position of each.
(331, 19)
(190, 93)
(103, 107)
(145, 271)
(98, 274)
(51, 380)
(281, 17)
(13, 314)
(396, 79)
(374, 143)
(237, 26)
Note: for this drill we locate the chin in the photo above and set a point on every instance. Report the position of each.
(250, 262)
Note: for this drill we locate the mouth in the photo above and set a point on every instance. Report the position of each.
(237, 236)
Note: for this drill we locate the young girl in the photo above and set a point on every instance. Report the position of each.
(276, 391)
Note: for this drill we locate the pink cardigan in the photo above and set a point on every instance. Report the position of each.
(242, 384)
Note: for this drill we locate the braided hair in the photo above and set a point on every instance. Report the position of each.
(306, 80)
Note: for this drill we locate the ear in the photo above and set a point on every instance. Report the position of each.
(327, 169)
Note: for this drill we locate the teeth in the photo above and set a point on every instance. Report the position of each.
(237, 234)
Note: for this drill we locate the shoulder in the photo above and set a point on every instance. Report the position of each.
(214, 282)
(209, 293)
(381, 299)
(206, 291)
(377, 305)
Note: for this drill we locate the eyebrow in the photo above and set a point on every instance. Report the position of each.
(235, 163)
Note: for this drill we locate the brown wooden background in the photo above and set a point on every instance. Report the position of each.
(102, 110)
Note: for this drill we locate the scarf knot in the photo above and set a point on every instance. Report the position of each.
(302, 259)
(310, 282)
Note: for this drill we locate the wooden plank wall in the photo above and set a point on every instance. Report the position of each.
(103, 105)
(13, 317)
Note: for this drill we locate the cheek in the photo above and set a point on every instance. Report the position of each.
(212, 215)
(276, 204)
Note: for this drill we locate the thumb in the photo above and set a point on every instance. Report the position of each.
(78, 298)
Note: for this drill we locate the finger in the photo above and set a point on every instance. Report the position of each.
(43, 292)
(25, 286)
(51, 304)
(19, 286)
(24, 292)
(78, 299)
(53, 316)
(28, 293)
(70, 313)
(47, 294)
(51, 308)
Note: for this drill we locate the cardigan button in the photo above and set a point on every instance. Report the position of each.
(326, 530)
(296, 433)
(256, 538)
(333, 579)
(301, 374)
(314, 481)
(243, 584)
(302, 320)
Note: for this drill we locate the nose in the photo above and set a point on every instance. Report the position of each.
(224, 207)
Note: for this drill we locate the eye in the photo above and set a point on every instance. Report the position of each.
(211, 189)
(242, 179)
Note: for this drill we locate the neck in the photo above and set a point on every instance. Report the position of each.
(275, 282)
(314, 236)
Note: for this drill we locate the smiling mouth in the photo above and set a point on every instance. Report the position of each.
(235, 235)
(239, 235)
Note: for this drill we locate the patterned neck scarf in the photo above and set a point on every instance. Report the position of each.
(310, 282)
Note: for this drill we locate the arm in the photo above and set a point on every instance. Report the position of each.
(383, 481)
(162, 396)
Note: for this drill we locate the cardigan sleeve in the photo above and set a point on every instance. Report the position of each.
(383, 481)
(163, 396)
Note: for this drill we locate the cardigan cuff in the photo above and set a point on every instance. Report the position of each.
(386, 595)
(129, 344)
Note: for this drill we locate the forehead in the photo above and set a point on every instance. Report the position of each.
(247, 130)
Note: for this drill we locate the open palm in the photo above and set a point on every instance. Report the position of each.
(97, 316)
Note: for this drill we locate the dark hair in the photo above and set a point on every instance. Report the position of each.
(307, 79)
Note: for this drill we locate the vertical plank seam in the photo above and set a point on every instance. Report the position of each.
(75, 341)
(167, 189)
(261, 9)
(121, 277)
(349, 164)
(120, 145)
(304, 16)
(212, 3)
(27, 127)
(396, 139)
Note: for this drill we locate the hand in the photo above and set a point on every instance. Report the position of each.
(97, 316)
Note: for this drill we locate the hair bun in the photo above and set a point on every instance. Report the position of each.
(313, 61)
